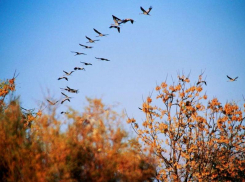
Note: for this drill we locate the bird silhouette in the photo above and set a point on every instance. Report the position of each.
(79, 68)
(86, 63)
(102, 59)
(68, 89)
(68, 73)
(86, 47)
(127, 19)
(78, 53)
(232, 79)
(28, 110)
(52, 103)
(90, 40)
(64, 112)
(146, 12)
(67, 98)
(100, 34)
(201, 82)
(63, 77)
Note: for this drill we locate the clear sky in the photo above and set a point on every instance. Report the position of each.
(37, 37)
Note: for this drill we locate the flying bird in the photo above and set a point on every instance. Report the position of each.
(102, 59)
(201, 82)
(63, 77)
(90, 40)
(52, 103)
(117, 27)
(183, 79)
(72, 90)
(68, 89)
(146, 12)
(79, 68)
(127, 19)
(78, 53)
(86, 47)
(100, 34)
(86, 63)
(232, 79)
(65, 99)
(28, 110)
(63, 112)
(68, 73)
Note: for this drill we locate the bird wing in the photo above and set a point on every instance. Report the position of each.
(88, 38)
(64, 94)
(65, 72)
(115, 18)
(118, 29)
(236, 78)
(97, 31)
(82, 45)
(229, 77)
(142, 9)
(148, 11)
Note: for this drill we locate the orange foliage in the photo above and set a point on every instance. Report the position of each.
(194, 142)
(94, 147)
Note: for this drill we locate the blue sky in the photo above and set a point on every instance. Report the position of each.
(36, 38)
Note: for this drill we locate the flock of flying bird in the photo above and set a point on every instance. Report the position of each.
(116, 25)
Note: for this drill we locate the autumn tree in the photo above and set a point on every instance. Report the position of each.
(18, 154)
(94, 147)
(195, 139)
(102, 149)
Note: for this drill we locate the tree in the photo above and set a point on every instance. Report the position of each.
(94, 147)
(102, 149)
(19, 154)
(193, 142)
